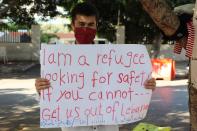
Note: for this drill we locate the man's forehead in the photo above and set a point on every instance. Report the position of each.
(84, 18)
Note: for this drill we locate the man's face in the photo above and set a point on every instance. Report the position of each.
(84, 28)
(84, 21)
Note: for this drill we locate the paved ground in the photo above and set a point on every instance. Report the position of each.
(169, 105)
(19, 111)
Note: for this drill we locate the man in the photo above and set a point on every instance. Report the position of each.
(84, 25)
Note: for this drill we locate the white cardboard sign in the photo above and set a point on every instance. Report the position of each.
(94, 84)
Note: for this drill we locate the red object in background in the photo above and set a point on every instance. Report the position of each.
(163, 69)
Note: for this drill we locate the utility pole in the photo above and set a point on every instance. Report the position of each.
(120, 31)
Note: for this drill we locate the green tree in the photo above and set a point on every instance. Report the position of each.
(22, 11)
(45, 38)
(139, 26)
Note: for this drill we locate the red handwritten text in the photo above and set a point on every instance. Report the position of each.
(125, 60)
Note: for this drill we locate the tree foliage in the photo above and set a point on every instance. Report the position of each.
(139, 26)
(45, 38)
(22, 11)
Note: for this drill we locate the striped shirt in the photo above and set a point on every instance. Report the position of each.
(189, 42)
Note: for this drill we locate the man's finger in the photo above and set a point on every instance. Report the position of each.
(43, 87)
(41, 80)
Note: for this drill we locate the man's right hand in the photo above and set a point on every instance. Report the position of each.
(41, 84)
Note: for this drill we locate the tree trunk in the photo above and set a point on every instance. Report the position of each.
(162, 15)
(168, 22)
(193, 79)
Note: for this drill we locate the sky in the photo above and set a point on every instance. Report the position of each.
(55, 20)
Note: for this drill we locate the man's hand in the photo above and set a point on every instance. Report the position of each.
(41, 83)
(150, 84)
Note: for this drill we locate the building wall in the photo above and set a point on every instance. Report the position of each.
(24, 51)
(19, 51)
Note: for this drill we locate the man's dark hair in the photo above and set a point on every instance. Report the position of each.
(86, 9)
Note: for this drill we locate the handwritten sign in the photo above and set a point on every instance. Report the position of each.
(94, 85)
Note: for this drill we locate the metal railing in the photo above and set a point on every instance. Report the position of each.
(14, 36)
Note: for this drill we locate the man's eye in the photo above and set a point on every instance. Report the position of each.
(91, 25)
(82, 24)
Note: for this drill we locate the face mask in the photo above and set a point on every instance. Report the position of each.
(85, 35)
